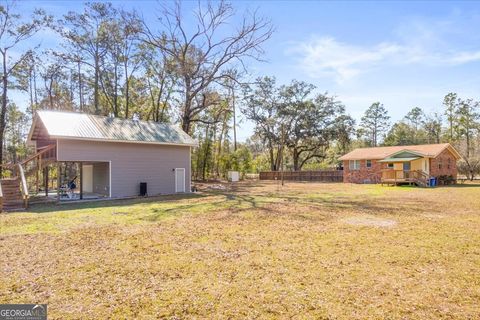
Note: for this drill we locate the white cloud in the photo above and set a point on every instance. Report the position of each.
(321, 57)
(464, 57)
(326, 56)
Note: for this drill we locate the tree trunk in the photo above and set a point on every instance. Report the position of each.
(451, 129)
(234, 122)
(72, 88)
(467, 136)
(278, 158)
(160, 115)
(35, 86)
(30, 88)
(80, 87)
(296, 158)
(115, 93)
(205, 158)
(95, 86)
(214, 142)
(270, 151)
(50, 95)
(220, 143)
(186, 121)
(127, 90)
(3, 111)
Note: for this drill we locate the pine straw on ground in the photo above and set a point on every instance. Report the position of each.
(253, 250)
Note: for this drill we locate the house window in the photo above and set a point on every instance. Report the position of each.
(369, 163)
(390, 165)
(440, 164)
(448, 164)
(354, 164)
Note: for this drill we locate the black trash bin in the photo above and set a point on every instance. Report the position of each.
(143, 189)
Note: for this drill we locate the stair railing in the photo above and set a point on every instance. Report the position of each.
(23, 185)
(46, 151)
(33, 164)
(421, 177)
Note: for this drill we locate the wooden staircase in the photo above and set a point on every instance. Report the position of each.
(12, 196)
(421, 178)
(14, 192)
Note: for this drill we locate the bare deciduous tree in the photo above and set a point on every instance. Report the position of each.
(202, 58)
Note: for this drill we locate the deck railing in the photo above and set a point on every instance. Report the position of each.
(417, 176)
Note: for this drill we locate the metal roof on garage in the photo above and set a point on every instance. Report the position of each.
(82, 126)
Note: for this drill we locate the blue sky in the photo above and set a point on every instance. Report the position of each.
(403, 54)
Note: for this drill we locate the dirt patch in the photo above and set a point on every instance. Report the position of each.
(370, 222)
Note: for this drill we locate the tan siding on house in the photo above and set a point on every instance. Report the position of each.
(420, 164)
(416, 164)
(132, 163)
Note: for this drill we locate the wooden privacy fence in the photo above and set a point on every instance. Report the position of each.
(323, 175)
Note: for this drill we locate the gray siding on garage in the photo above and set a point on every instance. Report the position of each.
(101, 178)
(132, 163)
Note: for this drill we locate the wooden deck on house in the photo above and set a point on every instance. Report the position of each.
(398, 177)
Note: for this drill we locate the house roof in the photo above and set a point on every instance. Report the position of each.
(399, 159)
(82, 126)
(425, 150)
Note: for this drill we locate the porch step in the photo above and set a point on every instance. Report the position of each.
(13, 204)
(12, 196)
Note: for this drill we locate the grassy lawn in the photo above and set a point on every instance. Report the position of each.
(330, 251)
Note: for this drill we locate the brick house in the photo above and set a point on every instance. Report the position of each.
(399, 164)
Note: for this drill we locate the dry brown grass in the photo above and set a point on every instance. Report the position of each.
(330, 251)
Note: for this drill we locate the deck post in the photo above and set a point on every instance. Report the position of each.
(37, 174)
(81, 180)
(46, 181)
(59, 168)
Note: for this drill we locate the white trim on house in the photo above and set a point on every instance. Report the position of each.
(30, 132)
(406, 151)
(452, 150)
